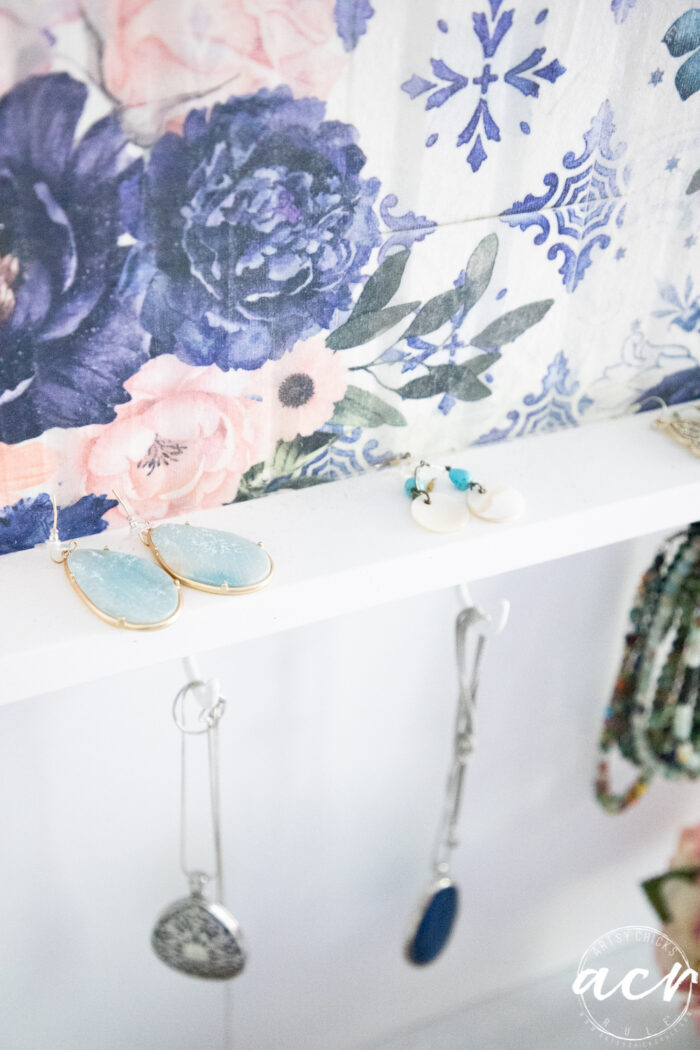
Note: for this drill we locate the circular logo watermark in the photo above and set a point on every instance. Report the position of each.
(625, 995)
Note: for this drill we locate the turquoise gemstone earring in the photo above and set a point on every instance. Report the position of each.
(461, 479)
(442, 511)
(122, 590)
(206, 559)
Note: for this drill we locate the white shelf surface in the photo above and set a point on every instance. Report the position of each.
(346, 546)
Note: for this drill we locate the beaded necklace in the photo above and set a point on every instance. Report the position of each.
(652, 718)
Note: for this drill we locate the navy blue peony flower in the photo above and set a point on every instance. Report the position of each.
(69, 328)
(28, 522)
(259, 224)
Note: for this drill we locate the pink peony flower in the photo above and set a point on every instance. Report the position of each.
(181, 443)
(300, 391)
(237, 46)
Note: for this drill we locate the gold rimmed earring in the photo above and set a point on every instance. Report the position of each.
(121, 589)
(206, 559)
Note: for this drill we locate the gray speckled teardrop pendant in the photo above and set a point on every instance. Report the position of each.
(210, 559)
(199, 938)
(434, 923)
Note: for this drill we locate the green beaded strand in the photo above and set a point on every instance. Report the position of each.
(653, 718)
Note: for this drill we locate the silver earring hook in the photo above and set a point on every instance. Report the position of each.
(53, 535)
(54, 540)
(653, 397)
(136, 522)
(57, 552)
(425, 491)
(123, 503)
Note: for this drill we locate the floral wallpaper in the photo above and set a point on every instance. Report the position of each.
(254, 244)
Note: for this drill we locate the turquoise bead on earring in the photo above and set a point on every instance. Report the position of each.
(413, 486)
(460, 478)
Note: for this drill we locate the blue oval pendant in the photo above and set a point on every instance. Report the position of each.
(435, 923)
(210, 559)
(123, 590)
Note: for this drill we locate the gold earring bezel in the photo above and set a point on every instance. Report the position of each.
(208, 588)
(120, 621)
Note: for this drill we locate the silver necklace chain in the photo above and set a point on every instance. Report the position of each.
(463, 741)
(206, 721)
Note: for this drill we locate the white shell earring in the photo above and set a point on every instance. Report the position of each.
(435, 510)
(445, 509)
(497, 505)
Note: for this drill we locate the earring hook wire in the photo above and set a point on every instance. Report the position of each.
(653, 397)
(57, 552)
(54, 529)
(136, 523)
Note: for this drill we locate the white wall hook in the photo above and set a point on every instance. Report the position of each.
(209, 694)
(492, 623)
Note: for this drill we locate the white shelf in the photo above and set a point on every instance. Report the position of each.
(347, 546)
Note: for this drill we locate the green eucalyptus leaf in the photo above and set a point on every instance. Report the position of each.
(687, 79)
(383, 284)
(305, 481)
(290, 455)
(459, 380)
(359, 408)
(654, 887)
(684, 35)
(434, 314)
(479, 270)
(694, 184)
(252, 472)
(248, 486)
(360, 328)
(511, 325)
(481, 362)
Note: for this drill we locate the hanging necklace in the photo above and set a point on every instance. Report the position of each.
(652, 718)
(438, 909)
(194, 935)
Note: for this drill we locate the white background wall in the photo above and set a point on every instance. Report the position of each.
(335, 749)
